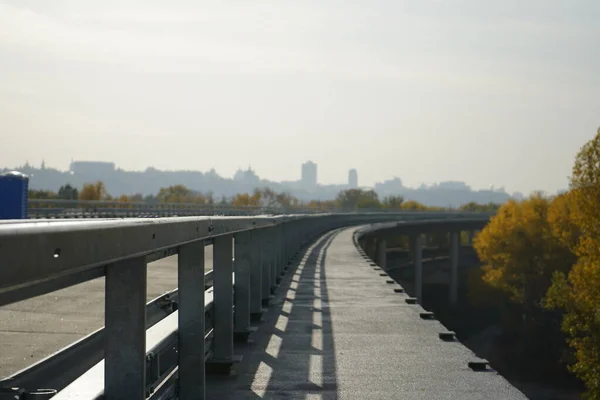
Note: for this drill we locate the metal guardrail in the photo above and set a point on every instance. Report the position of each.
(159, 349)
(52, 208)
(114, 209)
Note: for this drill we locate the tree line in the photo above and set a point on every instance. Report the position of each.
(352, 199)
(542, 258)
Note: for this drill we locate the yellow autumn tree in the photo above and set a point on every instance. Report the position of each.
(246, 200)
(180, 194)
(561, 217)
(412, 205)
(93, 191)
(123, 200)
(578, 293)
(521, 253)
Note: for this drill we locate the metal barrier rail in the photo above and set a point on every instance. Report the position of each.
(53, 208)
(60, 369)
(157, 349)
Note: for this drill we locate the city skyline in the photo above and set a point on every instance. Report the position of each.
(490, 93)
(333, 180)
(352, 175)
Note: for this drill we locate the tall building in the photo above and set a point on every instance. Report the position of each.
(353, 179)
(309, 175)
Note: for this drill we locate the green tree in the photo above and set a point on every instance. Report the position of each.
(210, 199)
(68, 192)
(475, 207)
(174, 194)
(136, 198)
(41, 194)
(392, 202)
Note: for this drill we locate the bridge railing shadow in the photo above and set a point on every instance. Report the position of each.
(293, 354)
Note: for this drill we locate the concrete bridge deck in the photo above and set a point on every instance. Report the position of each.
(337, 330)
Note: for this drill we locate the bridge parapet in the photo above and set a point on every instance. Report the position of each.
(373, 239)
(151, 349)
(61, 209)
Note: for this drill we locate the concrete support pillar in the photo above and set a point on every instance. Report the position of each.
(256, 271)
(454, 249)
(285, 228)
(280, 256)
(223, 299)
(382, 253)
(373, 249)
(470, 235)
(265, 257)
(417, 256)
(243, 273)
(191, 321)
(273, 257)
(125, 330)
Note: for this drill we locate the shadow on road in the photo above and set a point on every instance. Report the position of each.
(293, 353)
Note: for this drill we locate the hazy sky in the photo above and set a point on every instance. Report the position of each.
(489, 92)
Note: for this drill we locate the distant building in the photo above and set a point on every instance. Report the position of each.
(353, 179)
(92, 168)
(309, 175)
(390, 187)
(455, 185)
(248, 176)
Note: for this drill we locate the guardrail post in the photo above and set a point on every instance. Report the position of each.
(265, 264)
(303, 234)
(382, 253)
(242, 268)
(282, 243)
(454, 249)
(277, 252)
(125, 330)
(291, 233)
(372, 248)
(280, 249)
(294, 240)
(191, 321)
(256, 279)
(273, 257)
(286, 234)
(417, 250)
(223, 301)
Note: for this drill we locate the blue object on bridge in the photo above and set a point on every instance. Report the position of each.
(13, 195)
